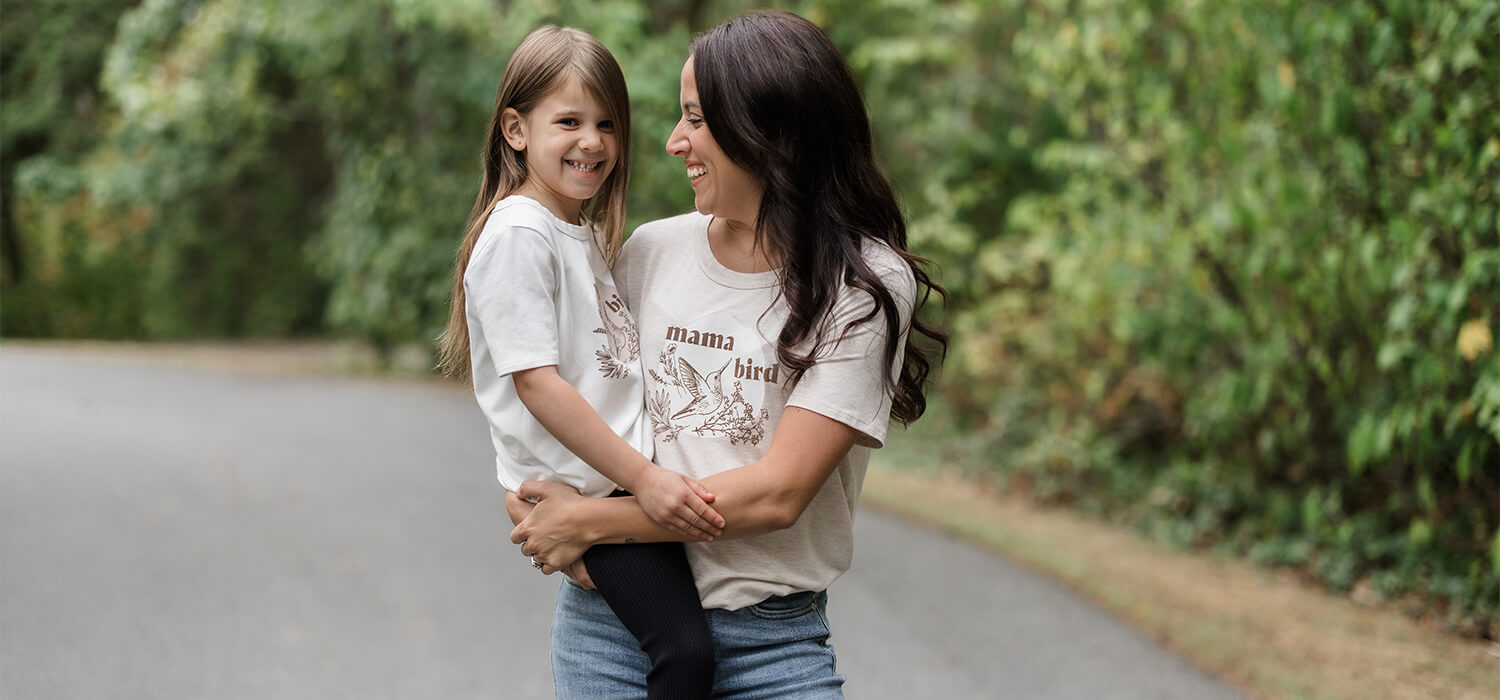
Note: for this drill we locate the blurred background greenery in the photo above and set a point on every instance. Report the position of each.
(1227, 271)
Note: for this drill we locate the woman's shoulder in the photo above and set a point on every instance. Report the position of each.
(667, 234)
(672, 226)
(892, 268)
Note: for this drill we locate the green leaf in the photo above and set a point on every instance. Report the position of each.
(1463, 466)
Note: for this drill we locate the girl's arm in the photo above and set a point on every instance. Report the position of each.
(664, 496)
(764, 496)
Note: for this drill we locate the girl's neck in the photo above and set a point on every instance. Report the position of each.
(569, 210)
(734, 246)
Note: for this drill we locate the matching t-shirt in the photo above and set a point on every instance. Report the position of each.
(715, 391)
(538, 292)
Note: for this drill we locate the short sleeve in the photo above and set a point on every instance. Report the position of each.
(848, 382)
(511, 290)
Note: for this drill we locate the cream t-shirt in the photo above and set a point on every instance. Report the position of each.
(539, 293)
(715, 391)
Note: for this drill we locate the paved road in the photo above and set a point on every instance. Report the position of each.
(173, 533)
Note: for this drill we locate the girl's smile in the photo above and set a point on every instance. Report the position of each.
(570, 145)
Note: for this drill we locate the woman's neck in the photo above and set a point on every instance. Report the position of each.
(734, 246)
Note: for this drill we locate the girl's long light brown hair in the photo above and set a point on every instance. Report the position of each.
(546, 58)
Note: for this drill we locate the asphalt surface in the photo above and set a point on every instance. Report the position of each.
(169, 532)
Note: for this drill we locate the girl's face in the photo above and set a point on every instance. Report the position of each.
(570, 145)
(721, 187)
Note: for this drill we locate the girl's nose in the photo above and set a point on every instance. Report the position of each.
(591, 140)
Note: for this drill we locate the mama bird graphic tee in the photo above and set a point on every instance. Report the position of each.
(539, 293)
(714, 392)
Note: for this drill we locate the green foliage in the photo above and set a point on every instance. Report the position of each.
(1269, 276)
(288, 167)
(50, 270)
(1226, 271)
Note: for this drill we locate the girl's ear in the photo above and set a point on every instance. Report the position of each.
(514, 128)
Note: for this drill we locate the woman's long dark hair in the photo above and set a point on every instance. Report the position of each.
(782, 103)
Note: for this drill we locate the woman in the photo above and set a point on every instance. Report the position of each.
(774, 327)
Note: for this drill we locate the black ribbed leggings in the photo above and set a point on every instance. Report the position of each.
(650, 588)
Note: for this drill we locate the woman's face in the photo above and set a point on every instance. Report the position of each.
(721, 187)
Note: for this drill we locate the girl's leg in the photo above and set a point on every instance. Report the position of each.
(650, 588)
(776, 649)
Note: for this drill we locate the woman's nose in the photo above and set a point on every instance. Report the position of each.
(677, 144)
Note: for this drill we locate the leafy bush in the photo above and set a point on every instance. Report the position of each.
(1269, 276)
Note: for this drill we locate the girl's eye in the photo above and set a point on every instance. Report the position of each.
(568, 121)
(606, 125)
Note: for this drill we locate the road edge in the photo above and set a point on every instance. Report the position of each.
(1263, 632)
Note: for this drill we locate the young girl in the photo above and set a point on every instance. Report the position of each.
(553, 352)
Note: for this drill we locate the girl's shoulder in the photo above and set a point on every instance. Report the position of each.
(515, 216)
(516, 211)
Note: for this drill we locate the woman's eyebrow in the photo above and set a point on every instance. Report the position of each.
(691, 105)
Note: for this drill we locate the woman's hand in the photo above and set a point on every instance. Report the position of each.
(546, 534)
(676, 502)
(518, 508)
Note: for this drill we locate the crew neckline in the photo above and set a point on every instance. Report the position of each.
(716, 270)
(582, 232)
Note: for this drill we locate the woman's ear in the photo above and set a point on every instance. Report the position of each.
(514, 128)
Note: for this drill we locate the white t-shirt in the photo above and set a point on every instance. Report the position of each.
(538, 293)
(715, 392)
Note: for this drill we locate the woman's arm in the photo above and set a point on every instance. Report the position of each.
(764, 496)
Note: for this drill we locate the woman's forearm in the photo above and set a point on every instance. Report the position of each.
(749, 506)
(764, 496)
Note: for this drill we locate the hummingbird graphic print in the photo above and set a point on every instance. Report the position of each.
(722, 403)
(622, 343)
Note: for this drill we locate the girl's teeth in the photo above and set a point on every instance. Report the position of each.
(587, 168)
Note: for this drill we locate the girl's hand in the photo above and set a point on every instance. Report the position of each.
(517, 508)
(547, 535)
(578, 572)
(676, 502)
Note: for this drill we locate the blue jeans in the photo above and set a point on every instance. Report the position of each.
(776, 649)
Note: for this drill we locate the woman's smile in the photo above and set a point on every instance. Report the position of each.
(721, 187)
